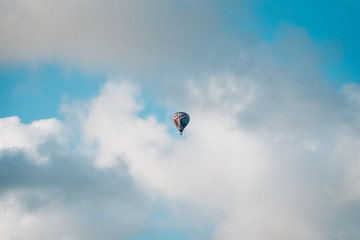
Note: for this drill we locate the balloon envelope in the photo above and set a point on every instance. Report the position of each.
(181, 120)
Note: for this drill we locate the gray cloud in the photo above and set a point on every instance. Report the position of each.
(125, 36)
(68, 192)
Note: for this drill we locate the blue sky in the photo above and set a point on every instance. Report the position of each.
(272, 88)
(36, 92)
(332, 23)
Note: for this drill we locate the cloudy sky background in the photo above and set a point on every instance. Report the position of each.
(88, 149)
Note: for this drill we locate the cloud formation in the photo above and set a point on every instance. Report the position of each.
(288, 177)
(65, 197)
(130, 36)
(291, 173)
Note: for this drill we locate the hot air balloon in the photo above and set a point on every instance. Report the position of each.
(180, 120)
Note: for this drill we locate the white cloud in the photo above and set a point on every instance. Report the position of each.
(283, 179)
(255, 180)
(15, 135)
